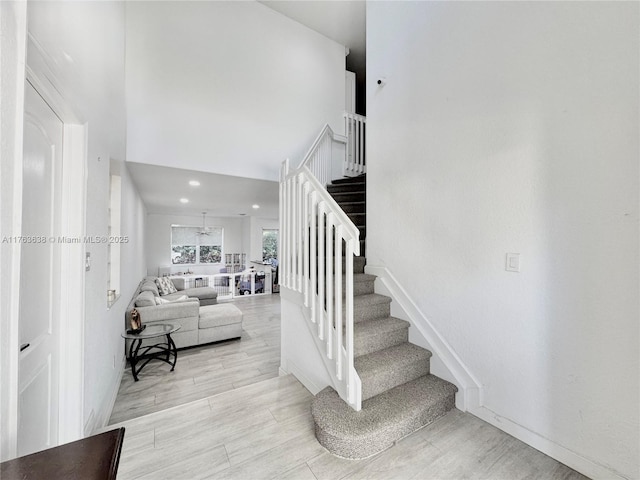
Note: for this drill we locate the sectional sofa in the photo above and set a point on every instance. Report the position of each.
(196, 310)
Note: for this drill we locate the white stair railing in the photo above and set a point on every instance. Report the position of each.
(316, 237)
(355, 130)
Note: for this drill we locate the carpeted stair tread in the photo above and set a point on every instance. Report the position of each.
(378, 334)
(363, 277)
(359, 179)
(354, 207)
(383, 420)
(359, 262)
(349, 197)
(347, 187)
(385, 369)
(370, 306)
(362, 284)
(358, 218)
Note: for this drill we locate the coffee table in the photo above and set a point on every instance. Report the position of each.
(160, 351)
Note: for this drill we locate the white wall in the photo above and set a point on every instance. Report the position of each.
(86, 41)
(227, 87)
(513, 127)
(158, 247)
(256, 225)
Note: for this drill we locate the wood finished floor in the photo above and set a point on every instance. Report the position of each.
(265, 431)
(226, 414)
(207, 370)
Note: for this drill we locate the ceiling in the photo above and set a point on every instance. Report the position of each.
(342, 21)
(161, 188)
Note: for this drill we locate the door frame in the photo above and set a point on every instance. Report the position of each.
(39, 71)
(74, 169)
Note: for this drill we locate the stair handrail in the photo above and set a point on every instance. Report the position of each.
(312, 224)
(319, 157)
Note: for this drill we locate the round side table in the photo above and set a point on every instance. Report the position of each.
(140, 355)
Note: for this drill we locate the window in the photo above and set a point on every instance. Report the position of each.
(196, 245)
(270, 246)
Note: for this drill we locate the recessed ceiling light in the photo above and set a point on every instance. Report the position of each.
(255, 206)
(184, 200)
(194, 183)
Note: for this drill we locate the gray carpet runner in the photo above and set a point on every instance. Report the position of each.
(399, 394)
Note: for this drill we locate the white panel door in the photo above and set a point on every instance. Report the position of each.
(40, 277)
(350, 92)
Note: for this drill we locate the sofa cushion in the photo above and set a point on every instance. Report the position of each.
(202, 293)
(218, 315)
(165, 286)
(161, 301)
(145, 299)
(178, 295)
(149, 286)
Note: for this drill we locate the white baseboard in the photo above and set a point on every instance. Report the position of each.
(562, 454)
(99, 422)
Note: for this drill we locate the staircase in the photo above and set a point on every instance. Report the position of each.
(399, 395)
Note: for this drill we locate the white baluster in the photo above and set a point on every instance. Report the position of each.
(338, 300)
(348, 268)
(306, 237)
(300, 225)
(320, 309)
(329, 268)
(313, 254)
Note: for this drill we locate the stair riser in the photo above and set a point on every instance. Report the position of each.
(359, 288)
(368, 312)
(375, 442)
(358, 266)
(358, 179)
(349, 197)
(363, 346)
(384, 381)
(363, 288)
(346, 188)
(358, 218)
(360, 207)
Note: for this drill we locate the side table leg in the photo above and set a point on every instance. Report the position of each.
(133, 357)
(173, 350)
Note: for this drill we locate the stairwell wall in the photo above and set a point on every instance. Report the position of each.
(513, 127)
(227, 87)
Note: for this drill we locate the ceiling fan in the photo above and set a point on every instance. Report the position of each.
(204, 230)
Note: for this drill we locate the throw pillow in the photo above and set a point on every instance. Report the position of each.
(165, 286)
(162, 301)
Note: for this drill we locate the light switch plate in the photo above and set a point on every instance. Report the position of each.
(512, 262)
